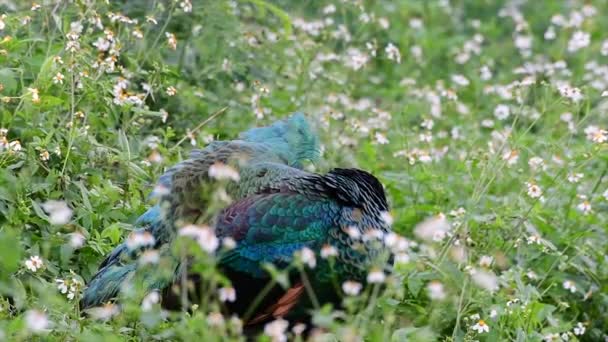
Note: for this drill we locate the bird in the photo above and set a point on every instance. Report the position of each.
(289, 142)
(279, 212)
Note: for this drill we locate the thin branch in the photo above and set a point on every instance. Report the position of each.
(206, 121)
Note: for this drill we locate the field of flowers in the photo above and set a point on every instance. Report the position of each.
(487, 122)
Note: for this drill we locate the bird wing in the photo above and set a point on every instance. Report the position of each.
(269, 228)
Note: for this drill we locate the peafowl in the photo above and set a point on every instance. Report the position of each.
(279, 210)
(287, 143)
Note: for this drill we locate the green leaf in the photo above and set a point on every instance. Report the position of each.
(38, 210)
(112, 232)
(414, 284)
(8, 79)
(10, 253)
(46, 71)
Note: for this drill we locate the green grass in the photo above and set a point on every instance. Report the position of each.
(95, 146)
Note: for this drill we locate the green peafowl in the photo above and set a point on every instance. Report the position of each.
(287, 142)
(279, 211)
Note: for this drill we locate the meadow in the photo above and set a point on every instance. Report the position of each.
(486, 121)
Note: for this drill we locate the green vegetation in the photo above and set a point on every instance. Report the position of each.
(485, 120)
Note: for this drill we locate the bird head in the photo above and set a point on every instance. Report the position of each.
(292, 137)
(358, 188)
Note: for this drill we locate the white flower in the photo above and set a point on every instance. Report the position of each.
(392, 52)
(222, 171)
(534, 239)
(149, 256)
(102, 44)
(433, 229)
(435, 290)
(276, 330)
(171, 91)
(381, 138)
(307, 256)
(416, 23)
(481, 327)
(137, 33)
(384, 23)
(215, 319)
(585, 207)
(36, 321)
(69, 287)
(204, 235)
(579, 40)
(486, 280)
(329, 9)
(186, 6)
(376, 276)
(534, 190)
(426, 137)
(58, 211)
(501, 112)
(396, 242)
(353, 232)
(77, 240)
(14, 146)
(34, 263)
(460, 80)
(485, 73)
(493, 313)
(402, 258)
(58, 78)
(228, 243)
(579, 329)
(62, 286)
(536, 163)
(373, 234)
(605, 194)
(575, 177)
(485, 261)
(150, 300)
(596, 134)
(140, 239)
(570, 92)
(351, 288)
(511, 157)
(227, 294)
(103, 313)
(328, 251)
(569, 285)
(458, 212)
(171, 40)
(355, 59)
(299, 328)
(428, 124)
(550, 33)
(523, 42)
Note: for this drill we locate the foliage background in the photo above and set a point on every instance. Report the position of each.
(450, 103)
